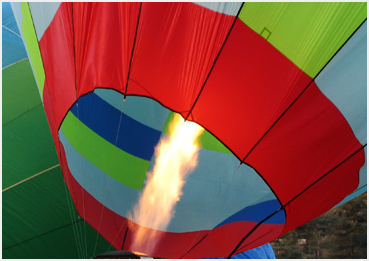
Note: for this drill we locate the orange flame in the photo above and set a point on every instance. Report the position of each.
(176, 157)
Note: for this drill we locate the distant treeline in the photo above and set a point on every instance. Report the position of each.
(339, 233)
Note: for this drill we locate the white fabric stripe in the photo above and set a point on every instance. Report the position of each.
(222, 7)
(42, 15)
(344, 82)
(12, 31)
(15, 63)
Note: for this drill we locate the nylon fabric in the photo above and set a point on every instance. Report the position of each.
(361, 188)
(61, 74)
(86, 142)
(321, 124)
(166, 28)
(223, 8)
(222, 167)
(20, 99)
(42, 15)
(12, 45)
(261, 252)
(250, 81)
(147, 111)
(135, 138)
(8, 21)
(175, 243)
(349, 92)
(339, 180)
(29, 36)
(309, 34)
(35, 213)
(32, 147)
(268, 78)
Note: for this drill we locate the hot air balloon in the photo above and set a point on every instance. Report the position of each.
(37, 221)
(279, 89)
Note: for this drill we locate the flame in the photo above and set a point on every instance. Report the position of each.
(176, 157)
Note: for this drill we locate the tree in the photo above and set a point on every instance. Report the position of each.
(339, 233)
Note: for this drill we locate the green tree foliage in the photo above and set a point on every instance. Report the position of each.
(339, 233)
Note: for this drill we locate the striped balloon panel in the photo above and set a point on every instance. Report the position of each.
(126, 154)
(258, 77)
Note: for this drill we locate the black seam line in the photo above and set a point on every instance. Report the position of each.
(289, 202)
(312, 184)
(283, 206)
(124, 239)
(303, 91)
(252, 230)
(360, 187)
(194, 246)
(255, 239)
(20, 115)
(135, 95)
(43, 234)
(133, 50)
(216, 59)
(270, 187)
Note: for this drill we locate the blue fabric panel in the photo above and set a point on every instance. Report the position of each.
(12, 42)
(258, 212)
(349, 91)
(134, 138)
(145, 110)
(261, 252)
(8, 18)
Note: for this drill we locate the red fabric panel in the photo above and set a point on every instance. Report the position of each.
(336, 185)
(57, 53)
(250, 87)
(311, 139)
(104, 35)
(263, 234)
(221, 241)
(176, 46)
(48, 107)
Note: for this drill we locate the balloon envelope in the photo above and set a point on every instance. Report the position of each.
(280, 89)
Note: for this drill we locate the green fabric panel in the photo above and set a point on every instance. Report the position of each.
(206, 139)
(59, 244)
(30, 38)
(34, 207)
(28, 147)
(118, 164)
(18, 91)
(308, 33)
(37, 221)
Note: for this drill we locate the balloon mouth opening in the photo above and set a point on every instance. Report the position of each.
(122, 255)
